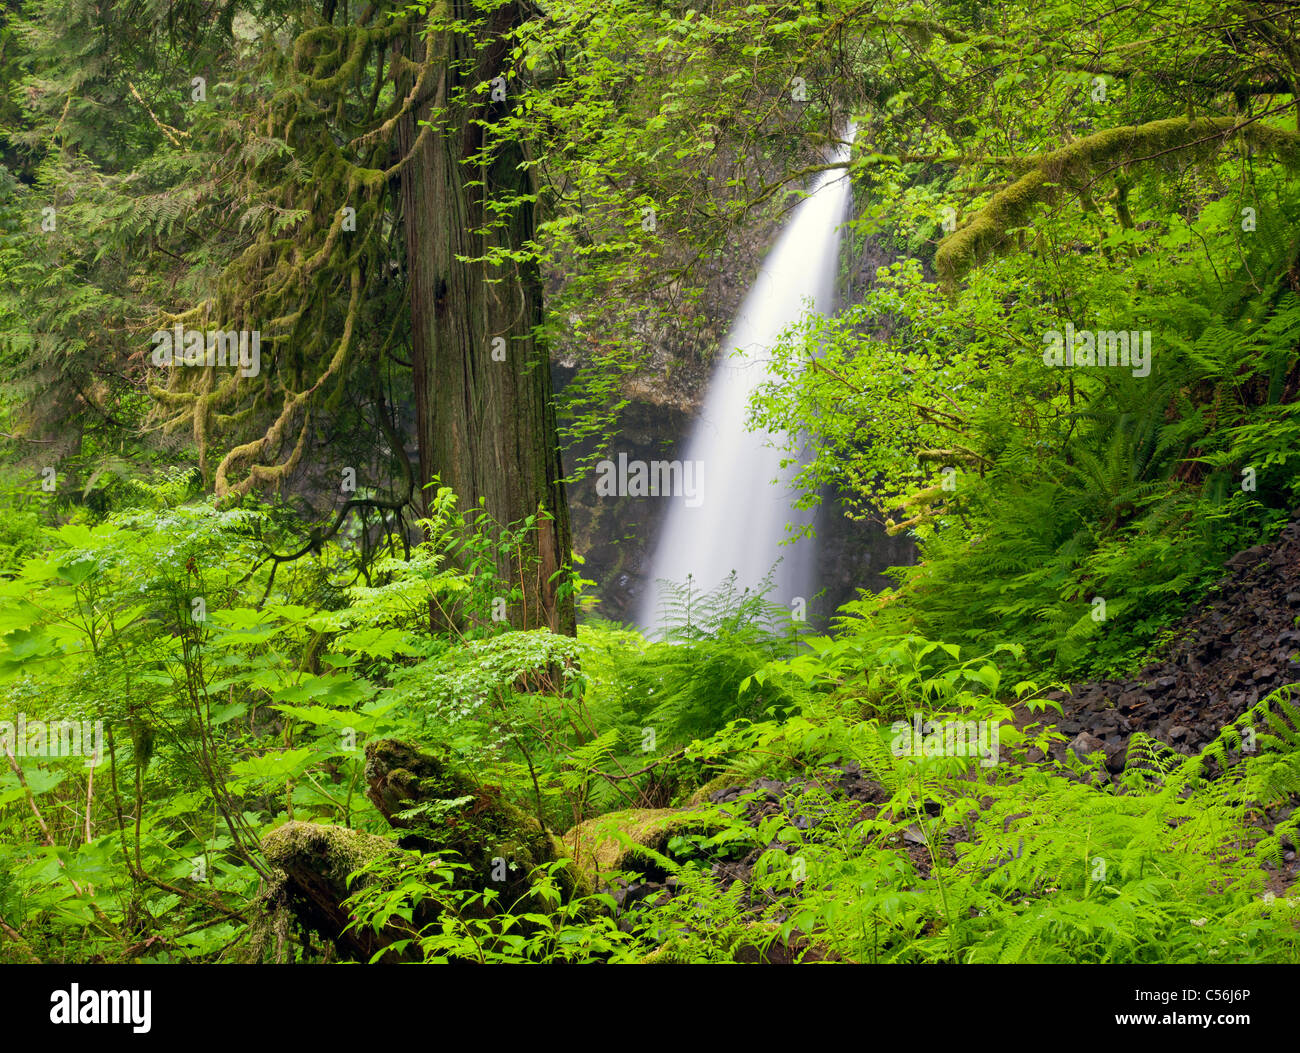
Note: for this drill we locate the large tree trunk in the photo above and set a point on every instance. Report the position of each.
(482, 380)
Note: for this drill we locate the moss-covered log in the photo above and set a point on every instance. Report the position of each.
(440, 811)
(310, 881)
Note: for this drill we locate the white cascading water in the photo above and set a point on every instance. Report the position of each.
(747, 501)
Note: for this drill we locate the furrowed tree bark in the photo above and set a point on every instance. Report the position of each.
(486, 420)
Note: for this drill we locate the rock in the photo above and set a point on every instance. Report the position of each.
(1247, 557)
(773, 949)
(1084, 744)
(720, 788)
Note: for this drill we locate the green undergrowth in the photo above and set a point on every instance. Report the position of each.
(960, 861)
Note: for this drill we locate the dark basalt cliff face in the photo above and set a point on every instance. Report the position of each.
(615, 536)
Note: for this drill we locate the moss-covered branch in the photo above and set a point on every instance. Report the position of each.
(1081, 161)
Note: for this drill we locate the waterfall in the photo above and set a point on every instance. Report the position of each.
(745, 501)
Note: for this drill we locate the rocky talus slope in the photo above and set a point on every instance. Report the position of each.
(1231, 650)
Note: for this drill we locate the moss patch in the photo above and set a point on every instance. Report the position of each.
(440, 809)
(312, 863)
(338, 850)
(720, 782)
(620, 840)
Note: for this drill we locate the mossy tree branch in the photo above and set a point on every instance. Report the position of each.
(1080, 162)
